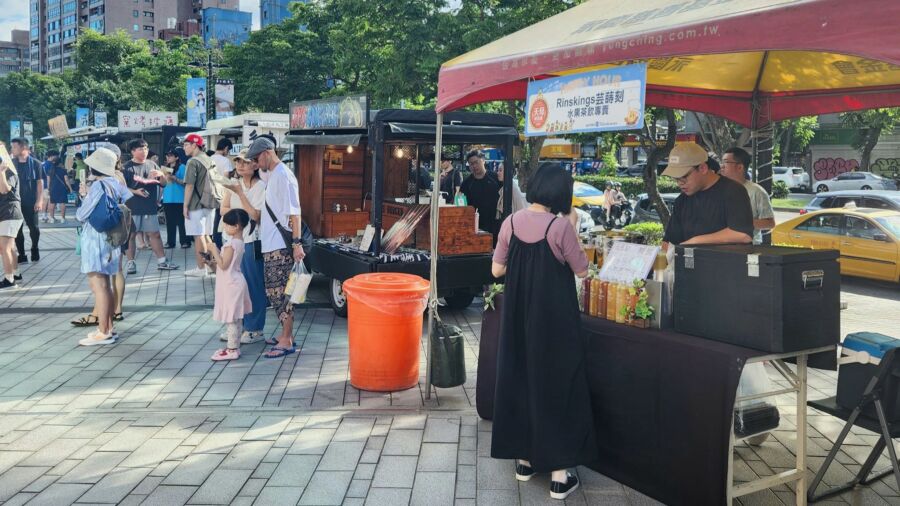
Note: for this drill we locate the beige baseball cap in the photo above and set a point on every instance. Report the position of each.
(242, 156)
(683, 158)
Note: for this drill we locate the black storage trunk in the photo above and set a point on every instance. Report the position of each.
(768, 298)
(852, 382)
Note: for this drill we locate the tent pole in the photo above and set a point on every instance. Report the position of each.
(435, 225)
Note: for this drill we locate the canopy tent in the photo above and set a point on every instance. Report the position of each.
(750, 61)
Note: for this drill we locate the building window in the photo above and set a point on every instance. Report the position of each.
(135, 13)
(148, 14)
(69, 7)
(149, 28)
(136, 27)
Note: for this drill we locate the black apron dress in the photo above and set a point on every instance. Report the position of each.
(542, 405)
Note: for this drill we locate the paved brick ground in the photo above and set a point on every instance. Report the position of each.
(151, 420)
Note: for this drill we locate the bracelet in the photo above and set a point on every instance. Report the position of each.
(297, 241)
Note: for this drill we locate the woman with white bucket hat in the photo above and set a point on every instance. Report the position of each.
(99, 259)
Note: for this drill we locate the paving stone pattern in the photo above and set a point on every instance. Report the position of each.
(151, 420)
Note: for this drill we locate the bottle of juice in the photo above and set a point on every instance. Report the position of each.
(586, 295)
(595, 297)
(601, 310)
(621, 301)
(611, 301)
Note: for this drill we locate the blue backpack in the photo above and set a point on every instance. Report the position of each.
(106, 214)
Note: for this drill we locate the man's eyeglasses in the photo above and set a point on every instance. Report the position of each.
(683, 179)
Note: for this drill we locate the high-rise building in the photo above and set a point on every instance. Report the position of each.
(55, 24)
(14, 53)
(223, 26)
(272, 12)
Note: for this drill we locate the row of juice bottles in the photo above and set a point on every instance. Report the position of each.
(605, 299)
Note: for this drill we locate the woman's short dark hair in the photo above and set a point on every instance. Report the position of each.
(551, 186)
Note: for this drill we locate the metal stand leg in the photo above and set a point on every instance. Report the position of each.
(830, 458)
(886, 433)
(863, 477)
(801, 430)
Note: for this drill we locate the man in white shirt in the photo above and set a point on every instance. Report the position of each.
(280, 234)
(735, 164)
(225, 167)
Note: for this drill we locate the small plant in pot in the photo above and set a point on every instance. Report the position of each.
(638, 311)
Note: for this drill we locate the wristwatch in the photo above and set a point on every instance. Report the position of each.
(297, 241)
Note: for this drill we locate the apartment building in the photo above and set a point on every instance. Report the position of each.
(14, 54)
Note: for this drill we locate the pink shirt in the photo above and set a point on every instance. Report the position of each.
(530, 227)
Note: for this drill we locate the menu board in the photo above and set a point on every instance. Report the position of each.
(628, 261)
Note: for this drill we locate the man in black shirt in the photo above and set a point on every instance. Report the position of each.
(482, 190)
(711, 209)
(31, 193)
(143, 178)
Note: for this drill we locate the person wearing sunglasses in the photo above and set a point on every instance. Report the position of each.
(711, 209)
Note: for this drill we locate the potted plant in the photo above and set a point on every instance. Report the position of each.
(642, 311)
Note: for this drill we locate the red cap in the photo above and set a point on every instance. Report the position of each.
(195, 139)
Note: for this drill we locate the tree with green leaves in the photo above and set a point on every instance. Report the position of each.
(869, 125)
(276, 65)
(655, 120)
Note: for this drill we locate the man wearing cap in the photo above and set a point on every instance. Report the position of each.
(144, 179)
(735, 163)
(280, 234)
(482, 190)
(711, 209)
(198, 218)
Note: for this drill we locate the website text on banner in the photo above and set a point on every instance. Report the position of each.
(609, 99)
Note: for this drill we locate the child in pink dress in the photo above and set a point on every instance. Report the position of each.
(232, 295)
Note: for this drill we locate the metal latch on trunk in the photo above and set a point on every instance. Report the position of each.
(688, 258)
(813, 280)
(753, 266)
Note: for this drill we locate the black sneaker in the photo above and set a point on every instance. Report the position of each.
(17, 277)
(523, 472)
(23, 259)
(186, 245)
(7, 284)
(170, 246)
(562, 490)
(35, 255)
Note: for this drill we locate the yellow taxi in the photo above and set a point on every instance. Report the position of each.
(587, 197)
(868, 239)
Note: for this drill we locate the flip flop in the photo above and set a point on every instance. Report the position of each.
(117, 317)
(86, 321)
(281, 352)
(271, 341)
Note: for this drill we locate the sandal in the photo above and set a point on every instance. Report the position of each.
(271, 341)
(279, 352)
(117, 317)
(90, 320)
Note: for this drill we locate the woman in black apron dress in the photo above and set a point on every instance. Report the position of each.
(542, 414)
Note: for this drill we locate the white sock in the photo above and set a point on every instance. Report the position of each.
(161, 260)
(10, 277)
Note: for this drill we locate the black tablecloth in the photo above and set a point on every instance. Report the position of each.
(663, 405)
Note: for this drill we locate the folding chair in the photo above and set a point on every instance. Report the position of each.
(873, 394)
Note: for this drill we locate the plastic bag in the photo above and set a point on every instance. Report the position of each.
(78, 240)
(301, 283)
(448, 359)
(754, 416)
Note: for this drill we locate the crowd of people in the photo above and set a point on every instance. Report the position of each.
(241, 215)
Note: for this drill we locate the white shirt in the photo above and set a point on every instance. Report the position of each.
(257, 198)
(283, 197)
(223, 164)
(761, 206)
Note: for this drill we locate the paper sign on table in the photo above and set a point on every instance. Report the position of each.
(628, 261)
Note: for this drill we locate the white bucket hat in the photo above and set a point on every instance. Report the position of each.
(103, 161)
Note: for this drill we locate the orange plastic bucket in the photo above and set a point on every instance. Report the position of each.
(384, 320)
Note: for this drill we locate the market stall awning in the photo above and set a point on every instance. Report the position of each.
(476, 132)
(323, 140)
(744, 60)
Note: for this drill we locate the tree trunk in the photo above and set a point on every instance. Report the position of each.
(784, 159)
(534, 156)
(872, 135)
(654, 155)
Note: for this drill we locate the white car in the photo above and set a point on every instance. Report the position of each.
(794, 177)
(856, 180)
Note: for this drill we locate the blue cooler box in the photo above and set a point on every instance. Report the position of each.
(854, 378)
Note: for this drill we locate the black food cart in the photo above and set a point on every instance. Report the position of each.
(357, 167)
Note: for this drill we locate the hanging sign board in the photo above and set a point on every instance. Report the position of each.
(602, 100)
(329, 113)
(135, 121)
(628, 261)
(59, 128)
